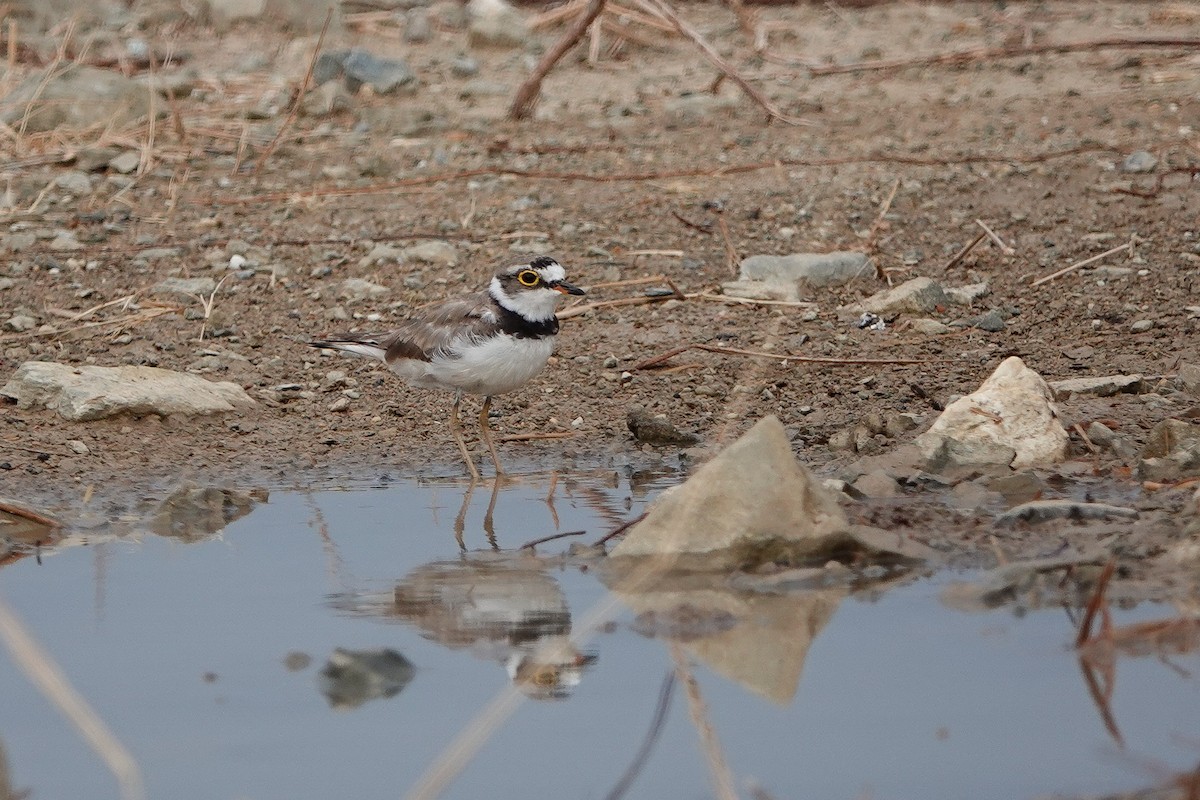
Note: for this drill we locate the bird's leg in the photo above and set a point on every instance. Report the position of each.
(456, 429)
(486, 431)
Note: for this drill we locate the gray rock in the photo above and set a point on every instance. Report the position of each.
(126, 162)
(807, 269)
(75, 97)
(382, 254)
(20, 322)
(495, 23)
(1139, 161)
(1105, 437)
(657, 430)
(358, 67)
(919, 295)
(877, 484)
(464, 66)
(75, 181)
(435, 251)
(352, 677)
(358, 289)
(84, 393)
(19, 241)
(751, 503)
(1172, 452)
(298, 16)
(416, 25)
(328, 98)
(64, 241)
(1011, 412)
(78, 447)
(991, 321)
(1141, 326)
(928, 327)
(1188, 379)
(1038, 511)
(1105, 386)
(185, 287)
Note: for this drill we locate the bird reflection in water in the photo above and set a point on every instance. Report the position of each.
(500, 610)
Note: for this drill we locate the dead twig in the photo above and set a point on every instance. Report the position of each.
(27, 513)
(535, 542)
(1078, 264)
(961, 254)
(877, 226)
(747, 301)
(986, 53)
(1095, 604)
(658, 175)
(663, 9)
(996, 240)
(530, 437)
(295, 109)
(527, 93)
(620, 529)
(131, 319)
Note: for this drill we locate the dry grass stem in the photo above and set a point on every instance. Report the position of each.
(44, 673)
(1085, 262)
(297, 102)
(961, 254)
(996, 240)
(722, 777)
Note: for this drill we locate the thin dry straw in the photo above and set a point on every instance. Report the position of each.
(45, 674)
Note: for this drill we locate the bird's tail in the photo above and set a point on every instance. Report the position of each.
(358, 344)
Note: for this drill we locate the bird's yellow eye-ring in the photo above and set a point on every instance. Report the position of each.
(529, 277)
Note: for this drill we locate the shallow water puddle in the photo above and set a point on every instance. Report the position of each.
(209, 656)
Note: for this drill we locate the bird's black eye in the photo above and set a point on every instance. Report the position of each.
(529, 277)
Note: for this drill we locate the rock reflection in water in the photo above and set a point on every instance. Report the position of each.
(757, 640)
(192, 513)
(501, 608)
(352, 677)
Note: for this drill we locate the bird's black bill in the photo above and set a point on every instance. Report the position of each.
(566, 288)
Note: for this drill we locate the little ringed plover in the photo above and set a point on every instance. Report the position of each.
(486, 343)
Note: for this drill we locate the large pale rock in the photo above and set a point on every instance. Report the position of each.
(1010, 419)
(83, 393)
(75, 97)
(788, 274)
(752, 502)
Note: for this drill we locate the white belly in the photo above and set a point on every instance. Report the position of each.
(496, 366)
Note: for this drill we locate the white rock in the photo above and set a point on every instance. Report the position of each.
(359, 289)
(88, 392)
(1009, 419)
(495, 23)
(752, 495)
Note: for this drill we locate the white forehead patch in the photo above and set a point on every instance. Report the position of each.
(552, 273)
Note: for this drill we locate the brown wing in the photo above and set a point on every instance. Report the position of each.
(439, 329)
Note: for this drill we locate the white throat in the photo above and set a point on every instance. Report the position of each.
(535, 305)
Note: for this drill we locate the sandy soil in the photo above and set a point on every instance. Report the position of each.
(1031, 145)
